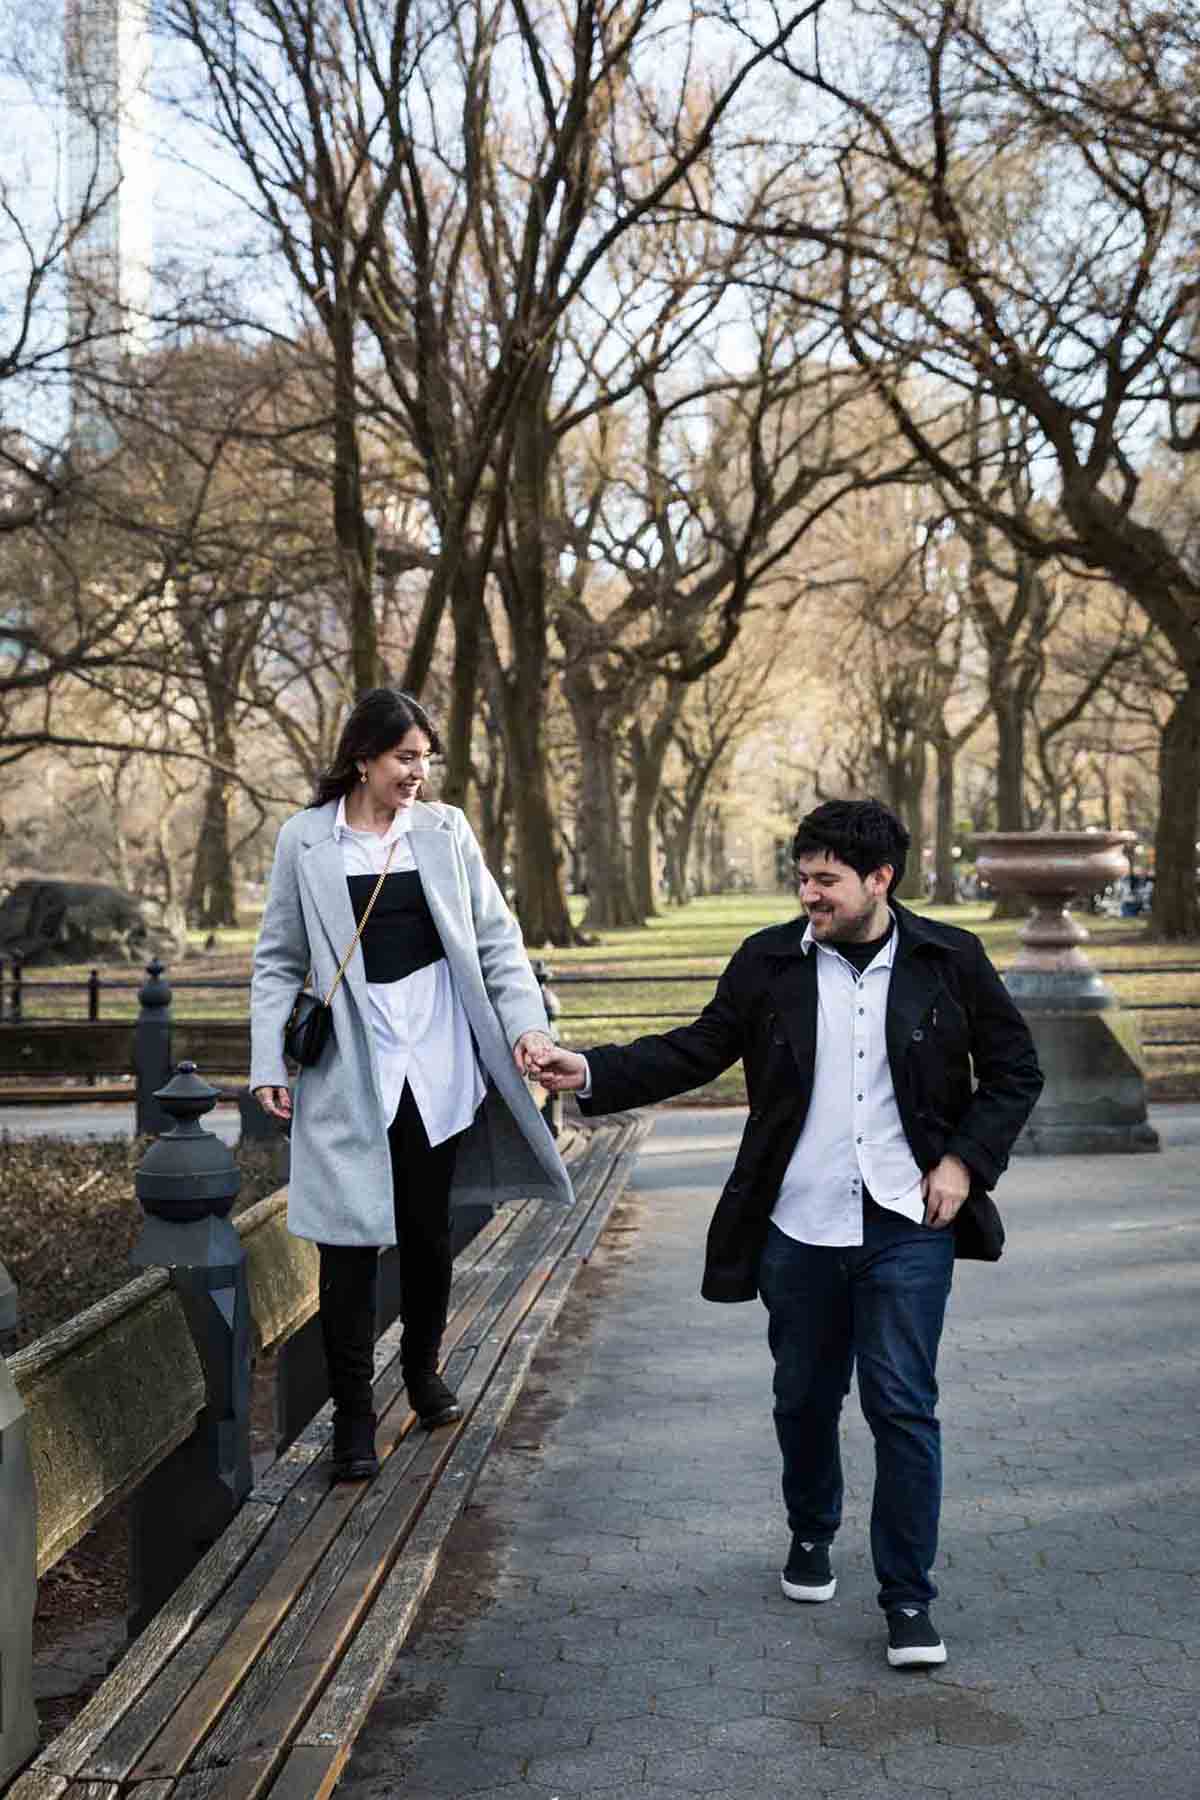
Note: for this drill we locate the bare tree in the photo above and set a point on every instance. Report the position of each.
(1016, 219)
(386, 164)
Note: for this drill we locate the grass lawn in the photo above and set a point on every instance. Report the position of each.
(696, 940)
(684, 950)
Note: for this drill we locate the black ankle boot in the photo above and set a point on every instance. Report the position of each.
(354, 1457)
(431, 1399)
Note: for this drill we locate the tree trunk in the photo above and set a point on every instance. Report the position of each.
(609, 894)
(355, 538)
(541, 900)
(715, 859)
(906, 792)
(464, 687)
(649, 756)
(675, 847)
(1010, 759)
(1008, 711)
(945, 892)
(541, 893)
(1175, 912)
(641, 843)
(494, 809)
(598, 824)
(212, 900)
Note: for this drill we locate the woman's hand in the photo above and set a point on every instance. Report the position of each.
(275, 1100)
(529, 1049)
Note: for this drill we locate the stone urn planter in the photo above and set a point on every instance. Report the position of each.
(1090, 1051)
(1053, 869)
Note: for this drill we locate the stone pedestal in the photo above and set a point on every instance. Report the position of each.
(18, 1582)
(1095, 1094)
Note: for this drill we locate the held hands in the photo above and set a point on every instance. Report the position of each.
(275, 1100)
(945, 1189)
(529, 1048)
(560, 1071)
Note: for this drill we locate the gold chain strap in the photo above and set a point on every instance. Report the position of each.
(362, 923)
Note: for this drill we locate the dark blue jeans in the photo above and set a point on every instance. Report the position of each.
(880, 1306)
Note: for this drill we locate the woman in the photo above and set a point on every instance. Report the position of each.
(420, 1095)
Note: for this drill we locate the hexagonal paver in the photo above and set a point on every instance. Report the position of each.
(591, 1771)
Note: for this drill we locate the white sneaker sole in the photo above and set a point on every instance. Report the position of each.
(810, 1594)
(919, 1657)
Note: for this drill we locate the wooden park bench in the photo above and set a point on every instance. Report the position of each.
(258, 1672)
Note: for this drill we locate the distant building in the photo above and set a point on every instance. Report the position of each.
(109, 188)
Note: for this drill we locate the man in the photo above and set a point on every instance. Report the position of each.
(888, 1074)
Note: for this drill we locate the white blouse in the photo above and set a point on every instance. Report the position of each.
(421, 1031)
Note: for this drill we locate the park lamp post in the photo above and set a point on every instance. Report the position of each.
(187, 1183)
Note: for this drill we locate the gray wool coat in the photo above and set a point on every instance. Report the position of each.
(340, 1190)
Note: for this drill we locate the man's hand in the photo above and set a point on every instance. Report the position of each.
(945, 1188)
(529, 1047)
(560, 1071)
(275, 1100)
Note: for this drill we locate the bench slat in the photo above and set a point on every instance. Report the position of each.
(254, 1763)
(362, 1672)
(346, 1597)
(224, 1678)
(258, 1673)
(323, 1747)
(135, 1721)
(209, 1668)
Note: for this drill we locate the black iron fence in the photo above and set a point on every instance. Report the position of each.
(16, 985)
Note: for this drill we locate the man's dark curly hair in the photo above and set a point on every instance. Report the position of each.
(864, 834)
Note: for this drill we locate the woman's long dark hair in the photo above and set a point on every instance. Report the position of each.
(378, 722)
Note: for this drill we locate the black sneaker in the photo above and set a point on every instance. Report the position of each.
(913, 1642)
(808, 1575)
(432, 1400)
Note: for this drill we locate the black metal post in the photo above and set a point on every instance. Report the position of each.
(550, 1000)
(152, 1051)
(93, 1008)
(187, 1183)
(15, 1003)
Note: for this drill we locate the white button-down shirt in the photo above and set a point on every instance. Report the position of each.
(420, 1028)
(852, 1136)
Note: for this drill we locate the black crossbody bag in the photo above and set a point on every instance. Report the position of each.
(310, 1022)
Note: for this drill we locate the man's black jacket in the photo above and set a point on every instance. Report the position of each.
(962, 1062)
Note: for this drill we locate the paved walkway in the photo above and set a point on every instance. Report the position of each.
(609, 1621)
(100, 1119)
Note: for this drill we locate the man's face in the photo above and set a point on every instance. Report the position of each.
(842, 907)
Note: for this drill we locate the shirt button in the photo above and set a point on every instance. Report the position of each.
(862, 1053)
(858, 1140)
(858, 1096)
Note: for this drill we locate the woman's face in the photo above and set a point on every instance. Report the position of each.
(394, 777)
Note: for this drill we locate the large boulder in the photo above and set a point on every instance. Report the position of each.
(48, 920)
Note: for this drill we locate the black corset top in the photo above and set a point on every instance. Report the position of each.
(401, 936)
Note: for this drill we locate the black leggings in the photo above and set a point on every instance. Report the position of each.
(421, 1178)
